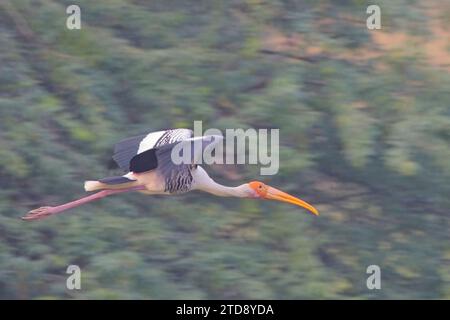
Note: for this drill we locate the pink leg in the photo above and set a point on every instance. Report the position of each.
(43, 212)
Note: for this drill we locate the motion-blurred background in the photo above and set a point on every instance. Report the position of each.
(364, 130)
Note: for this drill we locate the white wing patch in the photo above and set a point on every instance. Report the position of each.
(149, 141)
(160, 138)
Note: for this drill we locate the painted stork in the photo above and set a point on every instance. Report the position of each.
(150, 170)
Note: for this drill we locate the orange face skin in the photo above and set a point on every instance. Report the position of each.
(259, 187)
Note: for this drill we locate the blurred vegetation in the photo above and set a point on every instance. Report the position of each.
(364, 120)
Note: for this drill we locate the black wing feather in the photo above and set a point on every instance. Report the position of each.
(144, 161)
(125, 150)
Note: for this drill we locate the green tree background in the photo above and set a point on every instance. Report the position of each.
(364, 120)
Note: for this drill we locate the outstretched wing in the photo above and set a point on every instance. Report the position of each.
(176, 172)
(126, 149)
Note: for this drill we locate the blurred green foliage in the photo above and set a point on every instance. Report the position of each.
(365, 133)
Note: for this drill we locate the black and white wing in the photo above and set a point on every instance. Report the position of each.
(126, 150)
(175, 161)
(177, 173)
(155, 151)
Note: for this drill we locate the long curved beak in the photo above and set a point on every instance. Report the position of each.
(275, 194)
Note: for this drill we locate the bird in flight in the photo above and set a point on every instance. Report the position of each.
(151, 170)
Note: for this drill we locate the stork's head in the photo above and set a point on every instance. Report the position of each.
(260, 190)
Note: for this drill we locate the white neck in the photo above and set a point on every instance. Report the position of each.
(204, 183)
(224, 191)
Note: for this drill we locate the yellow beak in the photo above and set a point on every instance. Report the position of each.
(275, 194)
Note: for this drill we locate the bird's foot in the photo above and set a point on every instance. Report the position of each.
(39, 213)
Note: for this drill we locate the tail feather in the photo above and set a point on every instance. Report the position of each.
(93, 185)
(108, 183)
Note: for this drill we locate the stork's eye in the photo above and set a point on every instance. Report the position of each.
(260, 186)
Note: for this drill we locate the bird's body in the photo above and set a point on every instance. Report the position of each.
(153, 170)
(154, 183)
(150, 169)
